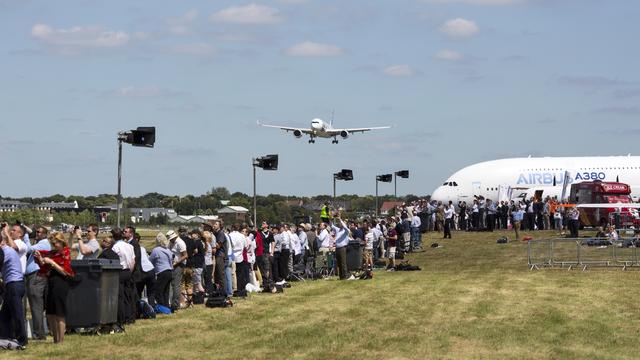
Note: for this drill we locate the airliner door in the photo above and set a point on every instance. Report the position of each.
(476, 186)
(504, 193)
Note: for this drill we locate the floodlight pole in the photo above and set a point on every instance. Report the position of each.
(334, 188)
(395, 185)
(255, 216)
(121, 137)
(377, 208)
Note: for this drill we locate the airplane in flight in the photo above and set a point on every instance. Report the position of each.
(513, 178)
(320, 128)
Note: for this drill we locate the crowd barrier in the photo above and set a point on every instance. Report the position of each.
(582, 253)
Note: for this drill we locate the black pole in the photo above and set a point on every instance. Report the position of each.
(255, 217)
(377, 207)
(119, 199)
(395, 185)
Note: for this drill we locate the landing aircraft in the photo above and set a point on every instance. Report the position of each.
(506, 179)
(322, 129)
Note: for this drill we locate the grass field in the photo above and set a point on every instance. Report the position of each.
(473, 299)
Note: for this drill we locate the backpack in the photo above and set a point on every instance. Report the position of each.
(145, 311)
(161, 309)
(9, 344)
(198, 297)
(218, 301)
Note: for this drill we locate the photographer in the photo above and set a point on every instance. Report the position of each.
(12, 316)
(89, 248)
(37, 283)
(342, 240)
(57, 266)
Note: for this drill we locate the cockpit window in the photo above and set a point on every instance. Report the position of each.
(445, 184)
(455, 183)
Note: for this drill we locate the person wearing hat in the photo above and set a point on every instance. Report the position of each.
(179, 251)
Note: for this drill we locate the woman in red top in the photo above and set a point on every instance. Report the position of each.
(57, 265)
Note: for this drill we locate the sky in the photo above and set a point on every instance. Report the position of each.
(460, 81)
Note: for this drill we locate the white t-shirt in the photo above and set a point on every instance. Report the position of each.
(22, 251)
(126, 254)
(368, 238)
(324, 239)
(177, 249)
(144, 260)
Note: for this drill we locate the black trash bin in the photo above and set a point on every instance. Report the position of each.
(93, 297)
(354, 255)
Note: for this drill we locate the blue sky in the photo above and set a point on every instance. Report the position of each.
(462, 81)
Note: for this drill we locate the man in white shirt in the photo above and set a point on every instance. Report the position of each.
(125, 290)
(240, 244)
(14, 237)
(179, 250)
(448, 221)
(416, 241)
(295, 248)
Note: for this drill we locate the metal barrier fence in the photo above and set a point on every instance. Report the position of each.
(582, 252)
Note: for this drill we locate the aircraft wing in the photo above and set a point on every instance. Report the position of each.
(285, 128)
(610, 205)
(355, 130)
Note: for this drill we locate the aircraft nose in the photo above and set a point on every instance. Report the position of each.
(440, 194)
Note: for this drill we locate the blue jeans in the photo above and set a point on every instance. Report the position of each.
(12, 316)
(228, 277)
(416, 237)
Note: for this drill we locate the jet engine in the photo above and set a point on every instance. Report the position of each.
(344, 134)
(297, 133)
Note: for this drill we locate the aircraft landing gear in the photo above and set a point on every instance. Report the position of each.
(312, 141)
(334, 141)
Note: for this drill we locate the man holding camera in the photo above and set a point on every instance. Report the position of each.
(12, 316)
(37, 284)
(342, 240)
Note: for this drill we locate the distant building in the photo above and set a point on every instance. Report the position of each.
(12, 205)
(144, 214)
(60, 206)
(231, 214)
(388, 206)
(193, 219)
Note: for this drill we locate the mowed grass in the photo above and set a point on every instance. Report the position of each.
(473, 299)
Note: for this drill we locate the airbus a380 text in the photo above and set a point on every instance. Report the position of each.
(320, 128)
(524, 177)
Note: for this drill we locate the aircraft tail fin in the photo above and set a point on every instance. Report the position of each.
(331, 121)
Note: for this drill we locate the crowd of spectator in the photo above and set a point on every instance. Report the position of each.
(184, 266)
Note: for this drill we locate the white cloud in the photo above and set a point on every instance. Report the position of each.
(459, 28)
(197, 49)
(309, 48)
(250, 14)
(399, 70)
(448, 55)
(479, 2)
(181, 25)
(141, 92)
(78, 36)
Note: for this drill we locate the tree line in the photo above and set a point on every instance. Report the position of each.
(272, 207)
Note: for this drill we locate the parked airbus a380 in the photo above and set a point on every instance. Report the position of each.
(319, 128)
(523, 177)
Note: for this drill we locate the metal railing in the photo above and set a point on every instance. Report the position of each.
(582, 252)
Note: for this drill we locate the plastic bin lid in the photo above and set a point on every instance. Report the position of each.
(105, 264)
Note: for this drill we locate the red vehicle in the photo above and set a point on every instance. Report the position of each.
(601, 192)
